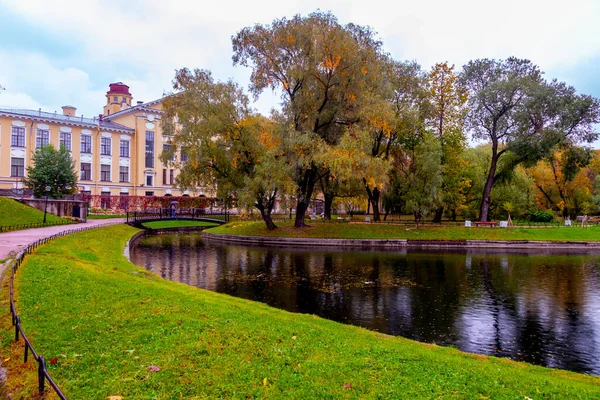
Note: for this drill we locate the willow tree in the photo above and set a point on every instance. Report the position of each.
(323, 71)
(224, 145)
(522, 115)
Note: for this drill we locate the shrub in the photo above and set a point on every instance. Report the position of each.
(541, 216)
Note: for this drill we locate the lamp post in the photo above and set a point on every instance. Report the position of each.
(47, 190)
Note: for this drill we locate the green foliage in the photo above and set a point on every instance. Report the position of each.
(522, 115)
(541, 216)
(325, 73)
(228, 147)
(53, 168)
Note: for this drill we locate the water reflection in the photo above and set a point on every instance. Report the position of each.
(543, 309)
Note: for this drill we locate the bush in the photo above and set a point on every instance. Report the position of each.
(541, 216)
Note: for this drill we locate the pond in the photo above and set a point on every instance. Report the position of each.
(543, 308)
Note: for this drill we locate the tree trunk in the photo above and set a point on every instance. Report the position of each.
(438, 215)
(300, 213)
(266, 215)
(265, 211)
(454, 214)
(305, 190)
(484, 208)
(327, 205)
(373, 196)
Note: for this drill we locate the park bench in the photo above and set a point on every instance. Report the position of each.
(491, 224)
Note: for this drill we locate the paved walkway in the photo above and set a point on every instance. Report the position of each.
(13, 242)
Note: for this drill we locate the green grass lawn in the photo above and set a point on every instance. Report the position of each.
(106, 216)
(176, 224)
(110, 324)
(381, 231)
(14, 213)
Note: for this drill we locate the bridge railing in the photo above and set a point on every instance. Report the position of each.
(179, 213)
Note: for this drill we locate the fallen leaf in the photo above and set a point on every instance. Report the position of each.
(153, 368)
(347, 386)
(115, 397)
(293, 337)
(53, 360)
(6, 359)
(265, 382)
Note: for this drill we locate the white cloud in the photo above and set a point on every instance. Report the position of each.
(158, 37)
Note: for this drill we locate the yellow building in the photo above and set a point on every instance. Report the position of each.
(116, 153)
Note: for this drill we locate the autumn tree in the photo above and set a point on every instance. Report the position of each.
(226, 145)
(521, 115)
(53, 168)
(563, 180)
(446, 113)
(323, 71)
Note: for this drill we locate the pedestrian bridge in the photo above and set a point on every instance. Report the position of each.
(136, 218)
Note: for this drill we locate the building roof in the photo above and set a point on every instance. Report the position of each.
(139, 107)
(80, 121)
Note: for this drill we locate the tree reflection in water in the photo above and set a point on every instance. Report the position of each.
(539, 308)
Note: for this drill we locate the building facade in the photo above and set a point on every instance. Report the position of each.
(116, 153)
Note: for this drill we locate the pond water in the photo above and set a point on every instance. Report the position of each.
(540, 308)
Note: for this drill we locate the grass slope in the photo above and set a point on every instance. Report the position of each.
(375, 231)
(176, 224)
(108, 321)
(14, 213)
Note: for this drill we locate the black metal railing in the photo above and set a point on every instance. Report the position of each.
(43, 374)
(180, 213)
(10, 228)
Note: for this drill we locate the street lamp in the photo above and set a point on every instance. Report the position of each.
(47, 189)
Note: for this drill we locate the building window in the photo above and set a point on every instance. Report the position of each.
(171, 177)
(116, 99)
(17, 138)
(123, 174)
(164, 176)
(105, 146)
(124, 148)
(149, 193)
(17, 167)
(149, 149)
(42, 138)
(86, 144)
(105, 200)
(149, 180)
(105, 172)
(184, 155)
(65, 140)
(86, 172)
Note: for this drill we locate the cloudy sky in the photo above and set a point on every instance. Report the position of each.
(67, 52)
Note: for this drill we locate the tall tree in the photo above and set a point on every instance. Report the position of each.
(393, 118)
(53, 168)
(323, 70)
(523, 116)
(446, 114)
(226, 146)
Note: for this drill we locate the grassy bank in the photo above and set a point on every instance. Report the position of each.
(13, 213)
(176, 224)
(377, 231)
(118, 330)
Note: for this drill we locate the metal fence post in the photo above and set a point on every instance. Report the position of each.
(41, 374)
(17, 326)
(26, 352)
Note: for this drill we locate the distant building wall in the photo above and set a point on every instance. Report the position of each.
(62, 208)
